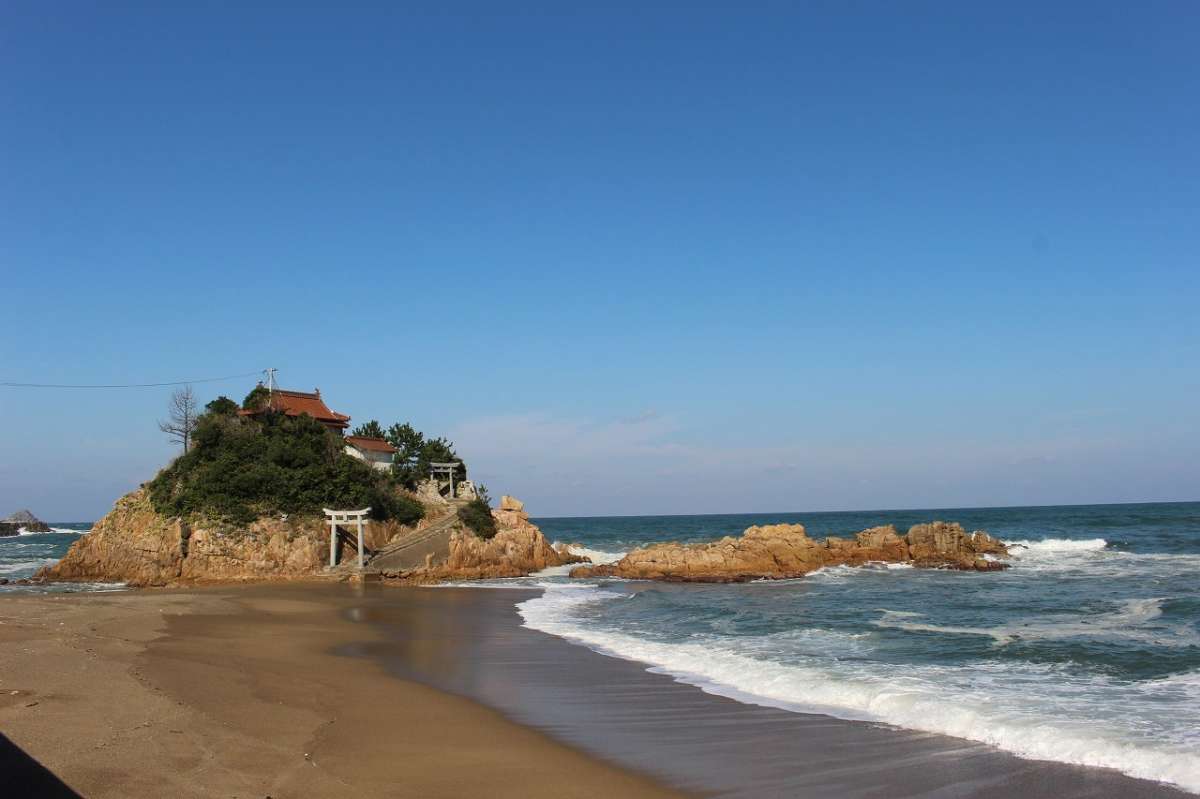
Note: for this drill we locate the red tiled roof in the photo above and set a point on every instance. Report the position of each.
(372, 444)
(295, 403)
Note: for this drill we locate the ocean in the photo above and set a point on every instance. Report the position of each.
(1086, 651)
(22, 555)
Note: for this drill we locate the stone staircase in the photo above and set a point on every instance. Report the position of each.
(411, 551)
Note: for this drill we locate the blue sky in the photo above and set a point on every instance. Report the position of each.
(633, 259)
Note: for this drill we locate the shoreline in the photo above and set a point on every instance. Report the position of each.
(318, 689)
(699, 741)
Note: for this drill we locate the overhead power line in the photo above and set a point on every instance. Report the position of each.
(8, 384)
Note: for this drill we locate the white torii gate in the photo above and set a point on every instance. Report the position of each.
(336, 517)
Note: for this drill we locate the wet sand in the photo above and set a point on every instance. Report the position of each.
(329, 690)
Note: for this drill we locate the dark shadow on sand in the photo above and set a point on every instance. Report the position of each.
(24, 776)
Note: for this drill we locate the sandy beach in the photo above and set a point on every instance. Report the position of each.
(233, 692)
(333, 690)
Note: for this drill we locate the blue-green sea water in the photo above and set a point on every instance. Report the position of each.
(22, 555)
(1086, 651)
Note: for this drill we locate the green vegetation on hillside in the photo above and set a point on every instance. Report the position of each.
(477, 514)
(239, 469)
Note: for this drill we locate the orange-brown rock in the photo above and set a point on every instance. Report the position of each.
(131, 544)
(518, 549)
(511, 503)
(771, 551)
(780, 551)
(268, 548)
(135, 545)
(947, 544)
(883, 543)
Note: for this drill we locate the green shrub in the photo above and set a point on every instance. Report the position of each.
(222, 405)
(477, 516)
(257, 398)
(240, 469)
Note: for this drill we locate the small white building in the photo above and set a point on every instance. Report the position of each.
(374, 451)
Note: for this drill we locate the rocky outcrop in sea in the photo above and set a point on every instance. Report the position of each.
(781, 551)
(22, 521)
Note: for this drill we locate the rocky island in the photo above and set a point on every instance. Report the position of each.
(245, 502)
(22, 521)
(782, 551)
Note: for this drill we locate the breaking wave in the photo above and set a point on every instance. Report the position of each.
(1121, 624)
(18, 566)
(53, 530)
(1059, 545)
(597, 556)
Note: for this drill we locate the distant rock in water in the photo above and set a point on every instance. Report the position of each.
(781, 551)
(22, 520)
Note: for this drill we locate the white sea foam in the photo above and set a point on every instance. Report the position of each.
(500, 582)
(1033, 710)
(54, 588)
(1059, 545)
(1125, 623)
(1186, 683)
(12, 567)
(597, 556)
(23, 531)
(1092, 558)
(843, 571)
(555, 571)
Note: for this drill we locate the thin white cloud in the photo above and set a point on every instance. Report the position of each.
(565, 466)
(647, 415)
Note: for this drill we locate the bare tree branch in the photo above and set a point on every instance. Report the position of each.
(182, 417)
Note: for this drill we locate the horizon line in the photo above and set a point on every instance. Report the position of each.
(878, 510)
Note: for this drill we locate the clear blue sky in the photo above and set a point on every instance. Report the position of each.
(633, 259)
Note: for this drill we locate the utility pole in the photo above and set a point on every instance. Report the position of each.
(270, 373)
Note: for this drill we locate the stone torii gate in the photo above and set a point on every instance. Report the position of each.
(446, 470)
(336, 517)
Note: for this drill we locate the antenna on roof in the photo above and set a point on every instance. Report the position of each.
(270, 375)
